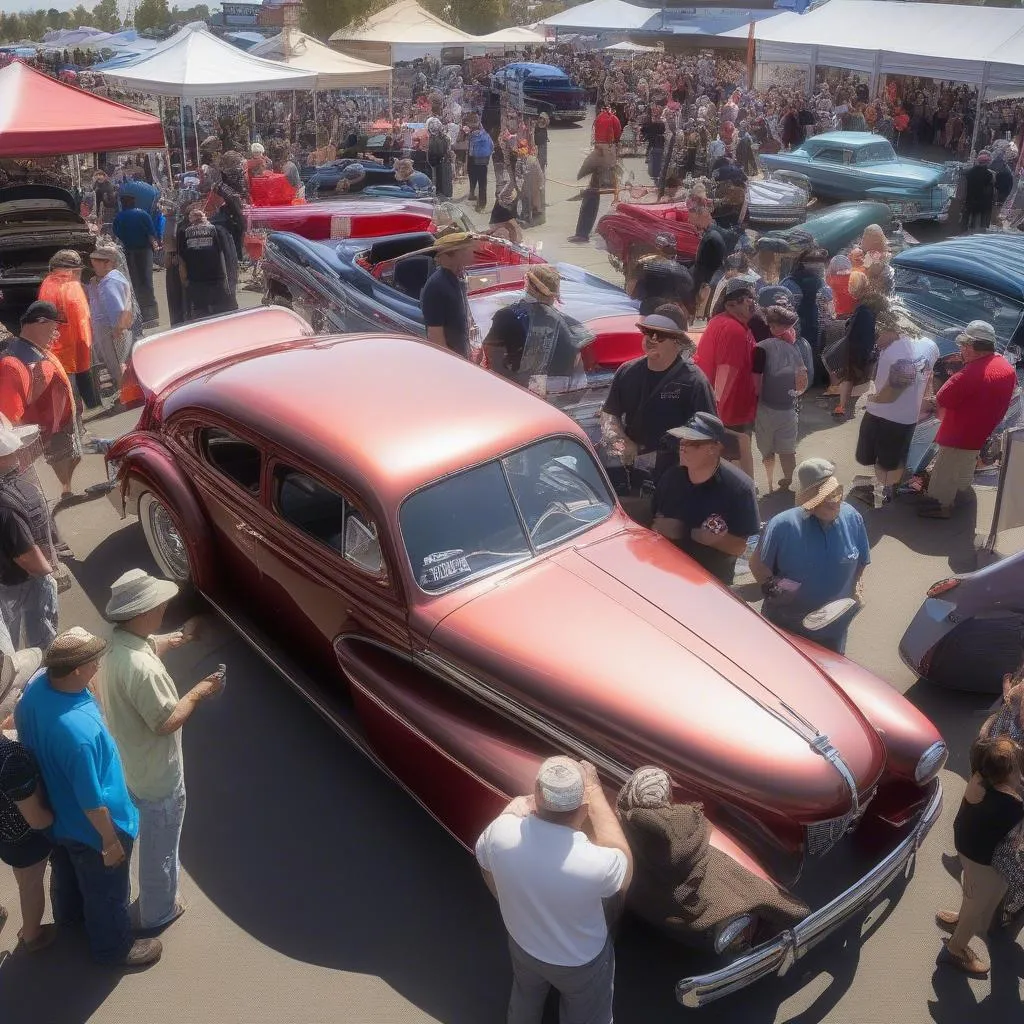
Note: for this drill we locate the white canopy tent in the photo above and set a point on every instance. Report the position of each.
(402, 31)
(333, 70)
(602, 16)
(195, 63)
(514, 36)
(628, 47)
(978, 45)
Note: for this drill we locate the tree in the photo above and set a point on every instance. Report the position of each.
(323, 17)
(54, 18)
(105, 16)
(152, 15)
(80, 16)
(33, 24)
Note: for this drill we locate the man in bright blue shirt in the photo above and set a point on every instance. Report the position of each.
(811, 555)
(95, 822)
(145, 195)
(135, 230)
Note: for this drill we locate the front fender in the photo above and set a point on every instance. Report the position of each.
(144, 464)
(905, 731)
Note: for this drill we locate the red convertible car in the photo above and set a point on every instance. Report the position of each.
(631, 230)
(436, 560)
(356, 218)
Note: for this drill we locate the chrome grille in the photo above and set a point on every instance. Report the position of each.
(823, 835)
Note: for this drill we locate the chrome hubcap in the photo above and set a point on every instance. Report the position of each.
(171, 547)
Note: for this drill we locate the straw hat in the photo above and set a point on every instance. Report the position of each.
(72, 649)
(135, 593)
(450, 242)
(816, 479)
(18, 668)
(560, 785)
(66, 258)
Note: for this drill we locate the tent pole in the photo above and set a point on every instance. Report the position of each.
(181, 125)
(982, 89)
(195, 135)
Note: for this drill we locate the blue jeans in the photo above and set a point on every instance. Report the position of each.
(32, 605)
(159, 835)
(82, 888)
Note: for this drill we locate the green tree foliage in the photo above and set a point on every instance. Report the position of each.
(106, 16)
(183, 15)
(152, 15)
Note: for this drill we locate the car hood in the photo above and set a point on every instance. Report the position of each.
(628, 646)
(15, 200)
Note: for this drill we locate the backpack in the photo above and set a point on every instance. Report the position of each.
(480, 145)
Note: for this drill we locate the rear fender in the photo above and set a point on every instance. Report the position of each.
(145, 465)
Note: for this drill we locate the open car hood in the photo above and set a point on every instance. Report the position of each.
(17, 200)
(629, 646)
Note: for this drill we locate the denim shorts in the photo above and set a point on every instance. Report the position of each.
(31, 850)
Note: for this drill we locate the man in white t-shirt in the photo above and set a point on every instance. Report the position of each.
(902, 382)
(550, 881)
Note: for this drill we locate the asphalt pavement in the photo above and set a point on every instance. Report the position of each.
(319, 892)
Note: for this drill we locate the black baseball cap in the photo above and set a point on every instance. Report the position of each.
(40, 312)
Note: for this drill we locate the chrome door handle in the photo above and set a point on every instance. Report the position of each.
(249, 531)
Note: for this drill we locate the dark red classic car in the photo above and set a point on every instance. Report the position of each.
(436, 560)
(631, 230)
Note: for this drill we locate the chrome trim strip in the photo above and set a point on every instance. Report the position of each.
(519, 714)
(822, 745)
(778, 955)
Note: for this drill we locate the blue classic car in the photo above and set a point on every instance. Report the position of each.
(859, 165)
(541, 88)
(944, 287)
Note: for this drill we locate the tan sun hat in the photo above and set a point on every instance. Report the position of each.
(817, 481)
(135, 593)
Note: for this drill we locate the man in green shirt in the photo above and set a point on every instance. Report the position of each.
(145, 716)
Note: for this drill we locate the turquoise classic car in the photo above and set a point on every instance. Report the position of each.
(859, 165)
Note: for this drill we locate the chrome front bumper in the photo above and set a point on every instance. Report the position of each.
(779, 954)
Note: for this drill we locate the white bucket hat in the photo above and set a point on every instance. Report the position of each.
(135, 593)
(13, 438)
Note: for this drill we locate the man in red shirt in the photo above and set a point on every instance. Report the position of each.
(726, 355)
(971, 403)
(607, 127)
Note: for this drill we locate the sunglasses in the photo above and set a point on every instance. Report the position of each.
(655, 335)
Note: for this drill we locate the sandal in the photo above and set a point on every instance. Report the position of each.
(839, 412)
(46, 936)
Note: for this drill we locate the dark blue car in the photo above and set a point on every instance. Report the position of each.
(541, 88)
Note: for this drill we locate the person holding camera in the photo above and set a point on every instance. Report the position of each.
(146, 715)
(550, 881)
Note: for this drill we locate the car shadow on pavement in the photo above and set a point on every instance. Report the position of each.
(954, 538)
(958, 715)
(315, 853)
(59, 984)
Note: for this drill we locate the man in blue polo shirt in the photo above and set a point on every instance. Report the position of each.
(811, 555)
(95, 822)
(135, 230)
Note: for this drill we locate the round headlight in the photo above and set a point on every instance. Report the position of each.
(732, 931)
(930, 762)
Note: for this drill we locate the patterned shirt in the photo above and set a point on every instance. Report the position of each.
(19, 777)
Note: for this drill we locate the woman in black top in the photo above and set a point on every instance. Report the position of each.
(991, 809)
(23, 813)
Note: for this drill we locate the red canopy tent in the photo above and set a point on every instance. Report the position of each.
(43, 117)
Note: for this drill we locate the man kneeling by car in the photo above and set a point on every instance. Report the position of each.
(550, 880)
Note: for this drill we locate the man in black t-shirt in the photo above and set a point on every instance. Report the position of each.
(650, 395)
(206, 251)
(705, 506)
(443, 299)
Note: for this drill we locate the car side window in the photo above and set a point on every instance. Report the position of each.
(323, 514)
(834, 155)
(240, 461)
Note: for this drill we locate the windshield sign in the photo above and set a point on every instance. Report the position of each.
(503, 512)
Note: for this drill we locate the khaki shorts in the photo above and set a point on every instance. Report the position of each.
(775, 431)
(952, 472)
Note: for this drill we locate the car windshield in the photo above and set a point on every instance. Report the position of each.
(502, 512)
(943, 306)
(449, 215)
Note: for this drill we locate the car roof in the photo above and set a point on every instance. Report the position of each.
(540, 69)
(385, 413)
(857, 140)
(992, 262)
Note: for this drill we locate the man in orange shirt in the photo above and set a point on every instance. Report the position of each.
(35, 389)
(63, 287)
